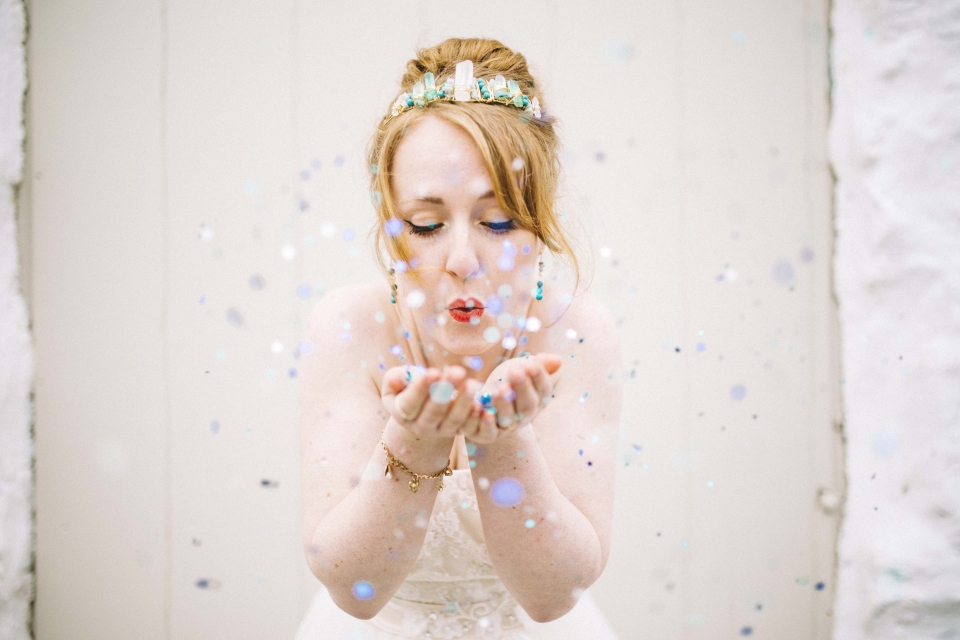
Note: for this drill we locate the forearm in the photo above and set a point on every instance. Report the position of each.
(543, 548)
(374, 535)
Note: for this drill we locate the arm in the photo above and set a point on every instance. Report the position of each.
(357, 526)
(362, 533)
(568, 497)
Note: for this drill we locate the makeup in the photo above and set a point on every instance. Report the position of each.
(463, 310)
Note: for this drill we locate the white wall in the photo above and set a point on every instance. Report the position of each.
(171, 145)
(895, 146)
(16, 356)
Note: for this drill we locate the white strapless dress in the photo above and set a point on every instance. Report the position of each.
(452, 591)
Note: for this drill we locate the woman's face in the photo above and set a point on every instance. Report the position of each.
(477, 266)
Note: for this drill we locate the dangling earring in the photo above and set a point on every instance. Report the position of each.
(540, 280)
(393, 287)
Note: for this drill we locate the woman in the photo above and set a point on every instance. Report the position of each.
(466, 374)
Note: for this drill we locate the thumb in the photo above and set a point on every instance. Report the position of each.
(550, 361)
(395, 380)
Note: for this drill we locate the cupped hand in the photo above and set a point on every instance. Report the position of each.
(432, 403)
(519, 389)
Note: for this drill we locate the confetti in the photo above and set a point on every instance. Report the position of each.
(782, 272)
(506, 492)
(415, 299)
(441, 391)
(491, 334)
(363, 590)
(393, 227)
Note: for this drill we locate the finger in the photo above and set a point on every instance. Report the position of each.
(486, 431)
(503, 401)
(528, 400)
(550, 361)
(472, 424)
(409, 402)
(540, 380)
(439, 395)
(460, 408)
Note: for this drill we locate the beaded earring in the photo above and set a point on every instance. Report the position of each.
(540, 280)
(393, 287)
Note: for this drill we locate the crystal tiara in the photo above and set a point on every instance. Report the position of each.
(463, 87)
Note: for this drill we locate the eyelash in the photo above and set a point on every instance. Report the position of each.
(496, 228)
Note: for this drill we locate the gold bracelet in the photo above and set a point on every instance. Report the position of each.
(415, 483)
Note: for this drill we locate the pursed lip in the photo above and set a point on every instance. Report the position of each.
(465, 305)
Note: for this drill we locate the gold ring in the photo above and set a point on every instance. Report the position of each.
(509, 426)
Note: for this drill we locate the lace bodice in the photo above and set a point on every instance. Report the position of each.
(453, 590)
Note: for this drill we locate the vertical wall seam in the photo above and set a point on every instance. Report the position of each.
(836, 342)
(164, 331)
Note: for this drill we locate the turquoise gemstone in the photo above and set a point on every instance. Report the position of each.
(440, 93)
(539, 296)
(409, 102)
(486, 95)
(525, 101)
(539, 284)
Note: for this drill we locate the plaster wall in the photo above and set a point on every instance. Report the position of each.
(895, 147)
(16, 359)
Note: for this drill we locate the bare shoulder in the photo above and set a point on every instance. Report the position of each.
(349, 324)
(586, 319)
(355, 303)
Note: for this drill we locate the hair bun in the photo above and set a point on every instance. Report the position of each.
(490, 58)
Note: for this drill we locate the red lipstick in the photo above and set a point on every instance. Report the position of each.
(463, 310)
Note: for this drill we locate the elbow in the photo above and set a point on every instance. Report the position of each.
(546, 614)
(343, 596)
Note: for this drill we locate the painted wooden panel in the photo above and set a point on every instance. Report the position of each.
(198, 182)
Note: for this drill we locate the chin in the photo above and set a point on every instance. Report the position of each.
(466, 341)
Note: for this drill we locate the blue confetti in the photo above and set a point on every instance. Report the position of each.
(363, 590)
(393, 226)
(506, 492)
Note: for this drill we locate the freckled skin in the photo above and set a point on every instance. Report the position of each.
(351, 512)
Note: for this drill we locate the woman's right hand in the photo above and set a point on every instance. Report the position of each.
(412, 405)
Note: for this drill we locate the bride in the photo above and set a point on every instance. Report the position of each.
(458, 427)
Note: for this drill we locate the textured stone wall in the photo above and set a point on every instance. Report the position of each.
(16, 357)
(895, 146)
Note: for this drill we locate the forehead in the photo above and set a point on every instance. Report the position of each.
(438, 156)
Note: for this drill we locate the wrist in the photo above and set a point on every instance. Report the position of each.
(422, 454)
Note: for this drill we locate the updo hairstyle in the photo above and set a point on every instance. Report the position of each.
(520, 151)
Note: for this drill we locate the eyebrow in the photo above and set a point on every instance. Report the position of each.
(435, 200)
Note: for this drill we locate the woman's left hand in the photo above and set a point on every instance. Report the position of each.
(518, 388)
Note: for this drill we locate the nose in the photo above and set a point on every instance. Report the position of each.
(462, 261)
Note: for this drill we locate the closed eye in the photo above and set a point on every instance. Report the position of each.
(501, 227)
(497, 228)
